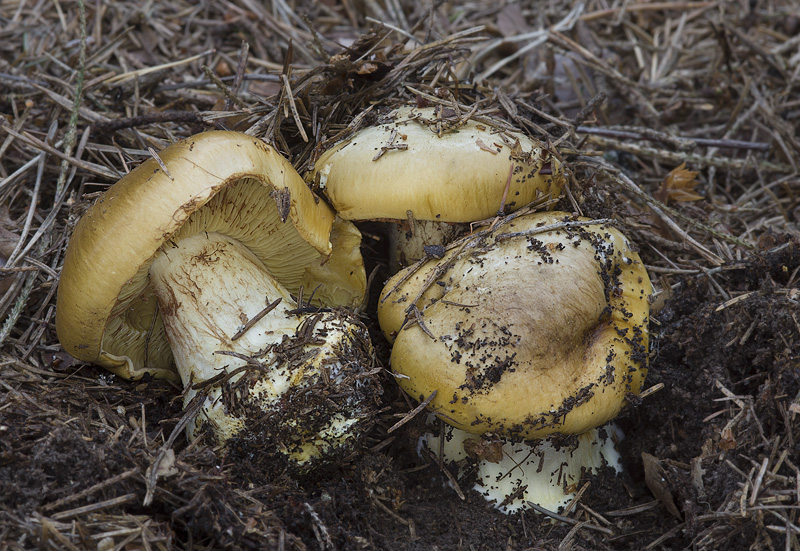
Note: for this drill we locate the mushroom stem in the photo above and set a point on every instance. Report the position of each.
(407, 244)
(546, 472)
(209, 288)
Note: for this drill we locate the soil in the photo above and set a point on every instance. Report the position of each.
(712, 361)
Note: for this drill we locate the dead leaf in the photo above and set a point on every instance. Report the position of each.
(485, 147)
(484, 450)
(655, 479)
(726, 440)
(366, 68)
(223, 69)
(511, 21)
(679, 185)
(166, 467)
(284, 201)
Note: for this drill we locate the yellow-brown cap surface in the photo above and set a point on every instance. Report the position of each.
(523, 335)
(404, 164)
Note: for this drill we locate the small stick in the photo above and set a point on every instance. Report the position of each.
(119, 79)
(92, 489)
(391, 145)
(160, 162)
(568, 520)
(224, 88)
(502, 208)
(293, 107)
(652, 390)
(148, 118)
(556, 226)
(411, 414)
(93, 507)
(240, 68)
(680, 157)
(587, 111)
(255, 319)
(686, 142)
(189, 413)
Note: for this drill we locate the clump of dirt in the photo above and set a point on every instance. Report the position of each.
(58, 465)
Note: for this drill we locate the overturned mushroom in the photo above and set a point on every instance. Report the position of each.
(433, 170)
(535, 328)
(186, 267)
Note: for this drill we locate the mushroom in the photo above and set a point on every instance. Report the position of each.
(433, 170)
(186, 267)
(533, 328)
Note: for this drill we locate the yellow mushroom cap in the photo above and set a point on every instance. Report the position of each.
(523, 335)
(403, 164)
(224, 182)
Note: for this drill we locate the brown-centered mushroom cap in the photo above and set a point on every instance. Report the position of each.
(436, 167)
(221, 182)
(527, 335)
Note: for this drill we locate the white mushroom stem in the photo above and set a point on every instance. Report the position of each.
(539, 472)
(407, 241)
(208, 288)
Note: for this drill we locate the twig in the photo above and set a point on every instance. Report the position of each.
(289, 95)
(411, 414)
(189, 414)
(555, 226)
(92, 489)
(222, 87)
(93, 507)
(568, 520)
(119, 79)
(109, 127)
(154, 154)
(687, 143)
(678, 157)
(241, 65)
(647, 6)
(396, 29)
(255, 319)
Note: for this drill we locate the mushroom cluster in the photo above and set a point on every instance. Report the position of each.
(531, 333)
(193, 266)
(525, 337)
